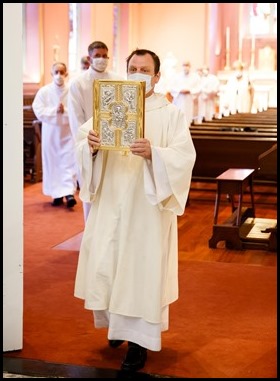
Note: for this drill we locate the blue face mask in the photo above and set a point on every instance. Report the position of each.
(142, 77)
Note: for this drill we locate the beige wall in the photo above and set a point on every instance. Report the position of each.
(179, 28)
(191, 31)
(55, 33)
(159, 27)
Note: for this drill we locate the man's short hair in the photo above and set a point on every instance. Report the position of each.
(96, 45)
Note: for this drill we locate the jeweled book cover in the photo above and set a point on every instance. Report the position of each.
(118, 112)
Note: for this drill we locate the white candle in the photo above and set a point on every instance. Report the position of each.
(253, 43)
(227, 38)
(240, 47)
(240, 42)
(56, 49)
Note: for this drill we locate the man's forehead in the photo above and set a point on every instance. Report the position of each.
(59, 67)
(100, 50)
(142, 61)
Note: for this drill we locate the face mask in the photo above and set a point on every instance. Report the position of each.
(238, 74)
(59, 79)
(142, 77)
(99, 64)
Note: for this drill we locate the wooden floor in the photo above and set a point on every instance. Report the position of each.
(194, 231)
(195, 228)
(196, 225)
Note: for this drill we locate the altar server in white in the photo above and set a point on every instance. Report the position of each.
(207, 98)
(58, 158)
(80, 99)
(185, 90)
(238, 91)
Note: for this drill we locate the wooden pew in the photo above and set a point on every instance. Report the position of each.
(261, 122)
(262, 130)
(268, 117)
(237, 141)
(216, 152)
(267, 168)
(28, 141)
(32, 145)
(250, 120)
(253, 118)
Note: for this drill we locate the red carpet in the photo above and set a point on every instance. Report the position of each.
(222, 326)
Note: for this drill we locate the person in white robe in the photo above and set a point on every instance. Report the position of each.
(80, 98)
(85, 63)
(58, 158)
(238, 91)
(207, 98)
(127, 270)
(185, 90)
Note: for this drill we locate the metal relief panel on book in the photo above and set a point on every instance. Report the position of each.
(118, 112)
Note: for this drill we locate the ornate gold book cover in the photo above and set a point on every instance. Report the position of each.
(118, 112)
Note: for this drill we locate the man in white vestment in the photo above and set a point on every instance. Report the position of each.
(80, 98)
(128, 263)
(85, 63)
(238, 91)
(185, 90)
(208, 95)
(58, 160)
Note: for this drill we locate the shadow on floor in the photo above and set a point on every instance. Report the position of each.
(37, 369)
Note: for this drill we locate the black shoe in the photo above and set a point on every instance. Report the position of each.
(57, 201)
(135, 358)
(115, 343)
(70, 201)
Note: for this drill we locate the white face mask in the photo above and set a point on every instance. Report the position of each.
(59, 79)
(238, 74)
(99, 64)
(142, 77)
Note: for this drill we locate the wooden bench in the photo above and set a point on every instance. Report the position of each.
(261, 130)
(266, 130)
(267, 168)
(253, 119)
(216, 152)
(32, 145)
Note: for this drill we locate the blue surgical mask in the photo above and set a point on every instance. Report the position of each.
(141, 77)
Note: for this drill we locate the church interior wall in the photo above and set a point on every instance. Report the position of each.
(194, 32)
